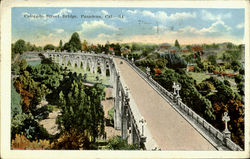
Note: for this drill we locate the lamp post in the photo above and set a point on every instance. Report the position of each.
(226, 119)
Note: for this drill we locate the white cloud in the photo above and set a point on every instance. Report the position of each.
(50, 35)
(94, 28)
(163, 16)
(132, 11)
(64, 11)
(217, 27)
(182, 15)
(59, 30)
(240, 26)
(104, 12)
(97, 25)
(209, 16)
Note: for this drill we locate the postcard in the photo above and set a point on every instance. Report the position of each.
(124, 79)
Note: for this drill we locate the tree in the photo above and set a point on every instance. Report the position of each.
(82, 105)
(49, 47)
(176, 44)
(19, 47)
(84, 45)
(236, 65)
(212, 59)
(60, 45)
(75, 42)
(174, 61)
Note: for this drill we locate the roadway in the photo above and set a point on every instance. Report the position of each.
(168, 128)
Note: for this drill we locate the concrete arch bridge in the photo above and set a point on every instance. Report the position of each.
(145, 112)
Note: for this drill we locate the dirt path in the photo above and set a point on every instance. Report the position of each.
(107, 105)
(50, 123)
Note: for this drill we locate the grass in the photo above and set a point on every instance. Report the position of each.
(199, 77)
(34, 63)
(52, 107)
(90, 76)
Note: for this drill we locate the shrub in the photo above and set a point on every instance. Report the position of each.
(21, 142)
(117, 143)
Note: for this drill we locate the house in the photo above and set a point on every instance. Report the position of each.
(184, 50)
(165, 46)
(173, 49)
(197, 48)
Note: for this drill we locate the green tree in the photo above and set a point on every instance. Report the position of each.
(75, 42)
(176, 44)
(49, 47)
(19, 47)
(174, 61)
(60, 45)
(212, 59)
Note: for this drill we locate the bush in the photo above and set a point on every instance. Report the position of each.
(117, 143)
(21, 142)
(26, 125)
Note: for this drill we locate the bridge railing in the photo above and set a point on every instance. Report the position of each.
(189, 112)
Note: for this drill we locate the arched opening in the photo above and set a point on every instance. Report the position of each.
(107, 72)
(75, 65)
(99, 70)
(87, 67)
(81, 64)
(69, 63)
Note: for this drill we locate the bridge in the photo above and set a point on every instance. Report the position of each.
(145, 112)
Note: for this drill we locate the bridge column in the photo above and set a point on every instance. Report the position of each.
(60, 60)
(124, 117)
(131, 130)
(117, 111)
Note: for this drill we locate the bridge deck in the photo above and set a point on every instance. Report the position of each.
(168, 128)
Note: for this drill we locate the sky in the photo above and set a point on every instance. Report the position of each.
(49, 25)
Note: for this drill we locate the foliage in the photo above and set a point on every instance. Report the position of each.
(111, 115)
(49, 47)
(72, 139)
(25, 124)
(21, 142)
(31, 92)
(225, 100)
(212, 59)
(176, 44)
(205, 87)
(74, 43)
(48, 74)
(188, 93)
(117, 143)
(174, 61)
(19, 47)
(16, 107)
(236, 65)
(82, 105)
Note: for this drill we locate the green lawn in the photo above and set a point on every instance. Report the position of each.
(33, 63)
(90, 76)
(199, 77)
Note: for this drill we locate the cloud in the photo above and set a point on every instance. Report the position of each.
(59, 30)
(163, 16)
(104, 12)
(182, 15)
(94, 28)
(64, 11)
(209, 16)
(132, 11)
(216, 29)
(240, 26)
